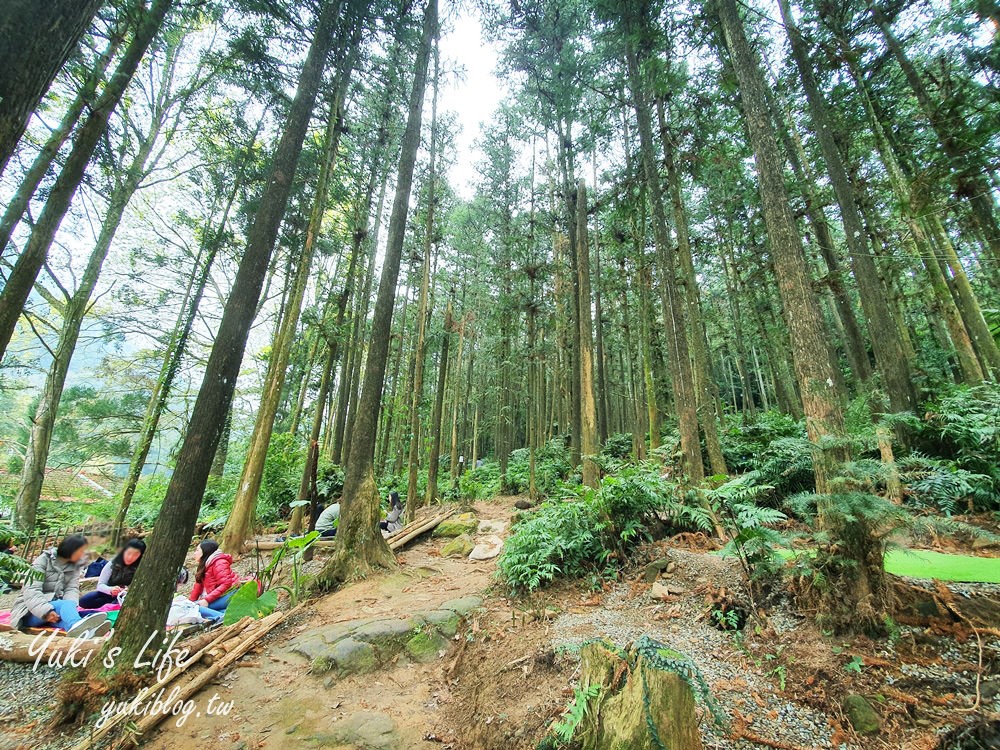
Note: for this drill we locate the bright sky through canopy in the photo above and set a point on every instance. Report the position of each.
(474, 95)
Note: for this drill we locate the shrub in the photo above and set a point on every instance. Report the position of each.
(617, 446)
(481, 482)
(752, 538)
(591, 531)
(743, 444)
(942, 484)
(552, 466)
(964, 425)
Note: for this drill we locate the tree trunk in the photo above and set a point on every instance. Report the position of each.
(423, 320)
(361, 547)
(434, 461)
(40, 439)
(22, 277)
(173, 357)
(969, 169)
(674, 319)
(907, 204)
(589, 440)
(239, 525)
(706, 391)
(890, 356)
(36, 39)
(40, 166)
(149, 598)
(821, 398)
(854, 341)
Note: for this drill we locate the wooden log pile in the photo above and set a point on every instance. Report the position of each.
(395, 540)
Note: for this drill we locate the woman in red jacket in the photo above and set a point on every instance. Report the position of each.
(215, 581)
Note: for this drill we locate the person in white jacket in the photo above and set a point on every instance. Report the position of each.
(393, 521)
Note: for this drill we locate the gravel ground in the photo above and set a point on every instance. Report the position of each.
(27, 698)
(739, 683)
(622, 618)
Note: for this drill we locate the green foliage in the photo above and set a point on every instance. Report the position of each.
(561, 538)
(294, 549)
(148, 497)
(282, 475)
(752, 540)
(564, 729)
(13, 568)
(854, 665)
(943, 484)
(552, 466)
(591, 531)
(480, 482)
(62, 514)
(743, 444)
(617, 447)
(246, 603)
(964, 425)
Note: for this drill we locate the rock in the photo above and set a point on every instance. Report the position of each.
(661, 590)
(445, 621)
(426, 646)
(465, 523)
(460, 546)
(491, 527)
(523, 504)
(861, 715)
(617, 717)
(463, 606)
(389, 637)
(364, 731)
(652, 570)
(347, 657)
(487, 549)
(316, 643)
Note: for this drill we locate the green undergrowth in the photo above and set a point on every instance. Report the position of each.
(590, 533)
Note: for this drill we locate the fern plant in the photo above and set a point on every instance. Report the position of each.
(753, 540)
(944, 485)
(964, 425)
(593, 531)
(564, 729)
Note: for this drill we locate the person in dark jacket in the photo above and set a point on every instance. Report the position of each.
(116, 576)
(50, 598)
(215, 580)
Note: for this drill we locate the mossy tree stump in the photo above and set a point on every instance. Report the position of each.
(638, 707)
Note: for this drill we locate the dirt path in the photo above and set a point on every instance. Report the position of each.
(511, 669)
(277, 703)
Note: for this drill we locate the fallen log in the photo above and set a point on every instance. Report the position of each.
(419, 529)
(216, 637)
(395, 540)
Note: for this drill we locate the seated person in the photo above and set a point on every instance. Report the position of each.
(328, 520)
(215, 579)
(116, 576)
(50, 599)
(392, 521)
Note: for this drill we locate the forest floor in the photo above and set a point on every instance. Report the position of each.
(510, 669)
